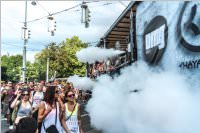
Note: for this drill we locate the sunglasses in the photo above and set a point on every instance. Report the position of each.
(71, 95)
(25, 94)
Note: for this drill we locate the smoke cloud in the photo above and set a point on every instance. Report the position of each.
(97, 54)
(82, 83)
(142, 100)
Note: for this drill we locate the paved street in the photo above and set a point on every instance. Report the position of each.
(4, 125)
(87, 126)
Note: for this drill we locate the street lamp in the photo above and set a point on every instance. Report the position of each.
(34, 3)
(25, 38)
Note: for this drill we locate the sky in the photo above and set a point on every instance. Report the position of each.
(68, 24)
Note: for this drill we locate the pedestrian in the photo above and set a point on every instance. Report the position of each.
(50, 111)
(36, 97)
(71, 118)
(3, 85)
(31, 86)
(22, 106)
(9, 94)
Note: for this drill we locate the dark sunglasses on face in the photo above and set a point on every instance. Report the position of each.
(25, 94)
(71, 95)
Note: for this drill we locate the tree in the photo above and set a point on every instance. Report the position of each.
(11, 67)
(41, 58)
(63, 58)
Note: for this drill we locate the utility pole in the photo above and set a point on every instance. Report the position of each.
(25, 44)
(47, 72)
(25, 37)
(47, 76)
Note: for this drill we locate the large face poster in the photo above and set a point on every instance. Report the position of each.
(168, 34)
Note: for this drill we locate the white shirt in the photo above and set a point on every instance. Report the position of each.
(50, 119)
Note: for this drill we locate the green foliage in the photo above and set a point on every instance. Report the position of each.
(62, 58)
(34, 72)
(11, 67)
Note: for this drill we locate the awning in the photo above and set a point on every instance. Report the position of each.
(120, 29)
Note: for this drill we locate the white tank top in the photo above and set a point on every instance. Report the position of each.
(72, 122)
(50, 119)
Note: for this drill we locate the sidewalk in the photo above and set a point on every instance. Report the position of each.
(4, 125)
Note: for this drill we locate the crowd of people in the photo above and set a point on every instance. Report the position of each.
(108, 66)
(52, 107)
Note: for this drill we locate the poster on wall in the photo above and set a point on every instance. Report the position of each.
(155, 39)
(168, 34)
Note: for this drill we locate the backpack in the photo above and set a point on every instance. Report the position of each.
(14, 113)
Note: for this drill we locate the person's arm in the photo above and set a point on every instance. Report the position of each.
(79, 119)
(4, 91)
(17, 90)
(31, 97)
(63, 122)
(42, 113)
(16, 101)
